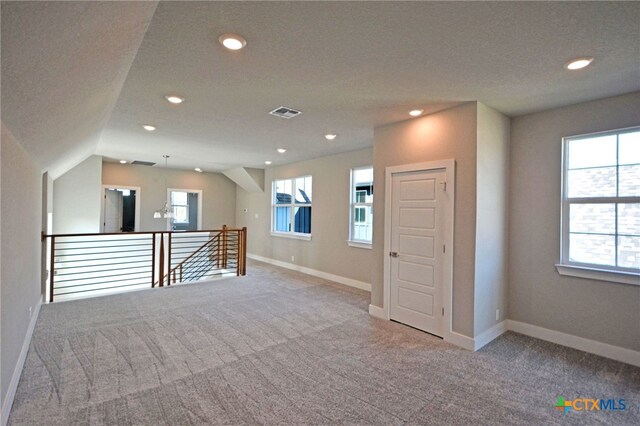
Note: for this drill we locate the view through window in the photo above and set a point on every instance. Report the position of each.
(291, 205)
(361, 205)
(601, 201)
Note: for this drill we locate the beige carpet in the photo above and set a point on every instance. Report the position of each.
(278, 347)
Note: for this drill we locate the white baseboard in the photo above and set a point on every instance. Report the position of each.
(461, 340)
(494, 332)
(17, 371)
(378, 312)
(598, 348)
(320, 274)
(617, 353)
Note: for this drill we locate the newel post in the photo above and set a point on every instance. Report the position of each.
(244, 250)
(224, 246)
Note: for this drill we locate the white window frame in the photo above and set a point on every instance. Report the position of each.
(200, 202)
(173, 208)
(586, 270)
(353, 242)
(292, 207)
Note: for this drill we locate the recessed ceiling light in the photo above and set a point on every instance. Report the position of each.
(232, 41)
(198, 169)
(578, 63)
(148, 127)
(282, 150)
(174, 99)
(330, 136)
(267, 162)
(416, 112)
(123, 161)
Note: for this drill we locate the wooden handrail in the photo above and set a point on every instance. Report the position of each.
(88, 253)
(179, 265)
(139, 232)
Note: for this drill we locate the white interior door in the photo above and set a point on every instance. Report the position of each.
(417, 244)
(112, 211)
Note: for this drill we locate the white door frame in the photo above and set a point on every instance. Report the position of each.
(448, 206)
(198, 191)
(133, 188)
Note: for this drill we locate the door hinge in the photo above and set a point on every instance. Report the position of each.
(442, 311)
(444, 186)
(444, 248)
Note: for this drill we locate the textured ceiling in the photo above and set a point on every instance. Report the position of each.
(63, 64)
(348, 66)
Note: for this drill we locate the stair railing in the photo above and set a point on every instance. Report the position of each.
(104, 263)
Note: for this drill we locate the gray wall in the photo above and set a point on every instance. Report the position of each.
(491, 218)
(218, 192)
(602, 311)
(328, 250)
(76, 198)
(20, 202)
(443, 135)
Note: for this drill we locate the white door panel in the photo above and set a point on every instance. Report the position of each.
(420, 303)
(415, 273)
(112, 211)
(421, 218)
(423, 247)
(420, 189)
(416, 240)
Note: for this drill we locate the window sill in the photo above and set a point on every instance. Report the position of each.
(599, 274)
(359, 244)
(295, 236)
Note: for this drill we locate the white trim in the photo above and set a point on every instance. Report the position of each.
(599, 274)
(489, 335)
(292, 205)
(168, 199)
(136, 226)
(352, 203)
(604, 132)
(294, 235)
(606, 350)
(465, 342)
(565, 266)
(17, 371)
(320, 274)
(447, 269)
(359, 244)
(617, 353)
(378, 312)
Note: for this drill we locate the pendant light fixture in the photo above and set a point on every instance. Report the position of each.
(165, 212)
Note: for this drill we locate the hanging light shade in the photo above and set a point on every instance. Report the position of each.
(165, 212)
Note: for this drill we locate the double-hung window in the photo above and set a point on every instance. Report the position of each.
(601, 206)
(180, 207)
(291, 207)
(361, 212)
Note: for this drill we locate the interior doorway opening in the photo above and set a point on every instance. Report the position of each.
(121, 209)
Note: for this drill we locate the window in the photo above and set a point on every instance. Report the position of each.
(291, 207)
(361, 210)
(601, 206)
(180, 207)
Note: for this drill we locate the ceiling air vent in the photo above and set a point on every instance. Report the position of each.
(143, 163)
(285, 112)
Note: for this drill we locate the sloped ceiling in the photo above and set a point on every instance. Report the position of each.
(63, 65)
(348, 66)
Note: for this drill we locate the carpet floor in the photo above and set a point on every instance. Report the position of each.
(280, 347)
